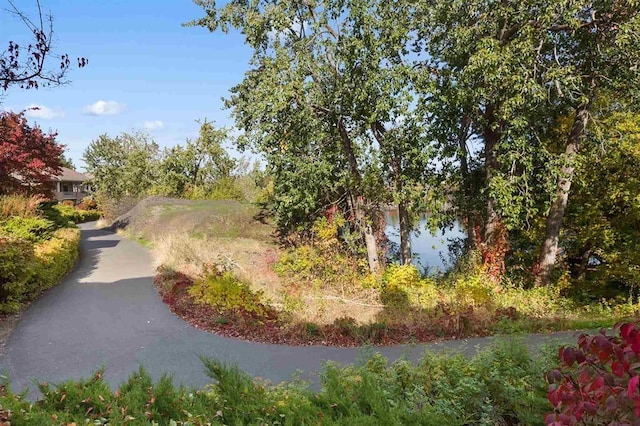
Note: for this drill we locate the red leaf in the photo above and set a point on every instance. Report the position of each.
(569, 355)
(632, 388)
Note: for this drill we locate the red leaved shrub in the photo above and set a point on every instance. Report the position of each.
(598, 382)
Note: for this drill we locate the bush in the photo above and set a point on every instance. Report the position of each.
(27, 269)
(62, 214)
(32, 229)
(17, 268)
(402, 286)
(475, 289)
(88, 203)
(226, 292)
(55, 257)
(599, 381)
(500, 386)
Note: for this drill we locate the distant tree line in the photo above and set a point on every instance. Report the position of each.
(133, 165)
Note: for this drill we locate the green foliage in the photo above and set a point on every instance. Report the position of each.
(55, 257)
(475, 289)
(602, 231)
(403, 286)
(123, 166)
(501, 385)
(17, 270)
(28, 268)
(63, 215)
(226, 292)
(76, 215)
(34, 229)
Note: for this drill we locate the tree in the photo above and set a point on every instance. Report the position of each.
(199, 168)
(328, 102)
(479, 86)
(66, 162)
(601, 233)
(597, 54)
(37, 64)
(28, 157)
(504, 75)
(126, 165)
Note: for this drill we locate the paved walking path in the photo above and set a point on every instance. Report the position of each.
(107, 313)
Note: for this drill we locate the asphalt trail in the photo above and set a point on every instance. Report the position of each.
(107, 313)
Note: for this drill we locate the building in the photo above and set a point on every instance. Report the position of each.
(71, 185)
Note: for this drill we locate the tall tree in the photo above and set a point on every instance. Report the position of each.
(28, 157)
(595, 52)
(480, 64)
(329, 95)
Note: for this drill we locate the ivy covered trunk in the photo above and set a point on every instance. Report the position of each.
(495, 240)
(549, 249)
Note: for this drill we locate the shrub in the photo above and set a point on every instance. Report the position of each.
(475, 289)
(500, 386)
(226, 292)
(599, 381)
(63, 214)
(55, 257)
(88, 203)
(27, 269)
(402, 285)
(32, 229)
(17, 268)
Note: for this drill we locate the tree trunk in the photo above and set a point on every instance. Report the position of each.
(405, 233)
(364, 223)
(404, 218)
(495, 244)
(549, 249)
(467, 185)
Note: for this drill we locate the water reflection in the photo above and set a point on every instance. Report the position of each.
(428, 249)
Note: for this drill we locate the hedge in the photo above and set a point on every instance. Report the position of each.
(28, 269)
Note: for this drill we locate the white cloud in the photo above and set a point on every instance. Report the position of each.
(104, 108)
(43, 112)
(153, 125)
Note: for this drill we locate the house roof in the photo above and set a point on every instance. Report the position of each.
(70, 175)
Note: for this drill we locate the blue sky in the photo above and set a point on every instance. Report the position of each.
(145, 70)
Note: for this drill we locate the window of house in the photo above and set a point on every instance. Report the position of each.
(65, 187)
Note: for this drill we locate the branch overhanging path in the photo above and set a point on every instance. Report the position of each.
(107, 313)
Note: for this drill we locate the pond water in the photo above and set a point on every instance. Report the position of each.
(429, 250)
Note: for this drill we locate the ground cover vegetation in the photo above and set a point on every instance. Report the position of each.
(595, 382)
(502, 385)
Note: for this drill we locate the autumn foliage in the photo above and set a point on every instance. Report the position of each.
(598, 382)
(28, 156)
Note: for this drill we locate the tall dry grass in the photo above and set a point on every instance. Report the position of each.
(247, 258)
(19, 205)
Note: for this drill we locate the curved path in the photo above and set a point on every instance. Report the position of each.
(106, 313)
